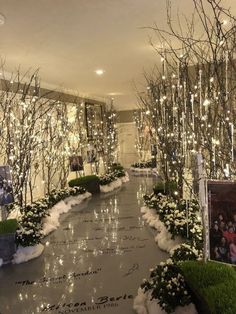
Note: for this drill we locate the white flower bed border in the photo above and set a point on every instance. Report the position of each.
(142, 302)
(163, 237)
(50, 223)
(114, 184)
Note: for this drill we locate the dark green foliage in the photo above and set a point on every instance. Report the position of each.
(185, 252)
(165, 188)
(29, 232)
(107, 178)
(119, 173)
(201, 274)
(170, 288)
(142, 165)
(83, 181)
(213, 283)
(117, 166)
(221, 298)
(8, 226)
(90, 183)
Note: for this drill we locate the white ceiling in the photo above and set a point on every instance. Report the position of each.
(69, 39)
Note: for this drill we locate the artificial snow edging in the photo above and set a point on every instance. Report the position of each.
(144, 305)
(114, 184)
(133, 169)
(50, 223)
(163, 237)
(24, 254)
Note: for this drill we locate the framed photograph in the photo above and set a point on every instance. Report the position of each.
(222, 220)
(76, 163)
(91, 156)
(6, 191)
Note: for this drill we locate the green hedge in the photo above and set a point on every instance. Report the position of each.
(90, 183)
(8, 226)
(83, 180)
(213, 283)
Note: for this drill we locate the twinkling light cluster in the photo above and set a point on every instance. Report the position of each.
(39, 134)
(190, 103)
(143, 135)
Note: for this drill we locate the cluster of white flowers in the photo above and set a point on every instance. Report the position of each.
(30, 223)
(111, 177)
(181, 218)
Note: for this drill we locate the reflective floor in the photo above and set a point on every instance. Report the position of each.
(93, 263)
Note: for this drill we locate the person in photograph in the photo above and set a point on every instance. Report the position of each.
(222, 251)
(234, 222)
(229, 224)
(215, 237)
(2, 192)
(7, 196)
(222, 226)
(229, 234)
(1, 188)
(232, 251)
(74, 164)
(220, 218)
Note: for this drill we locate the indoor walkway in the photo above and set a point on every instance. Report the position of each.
(94, 262)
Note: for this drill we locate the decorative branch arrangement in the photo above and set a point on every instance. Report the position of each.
(39, 134)
(190, 103)
(143, 136)
(110, 138)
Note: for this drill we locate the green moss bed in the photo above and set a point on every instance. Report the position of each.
(213, 284)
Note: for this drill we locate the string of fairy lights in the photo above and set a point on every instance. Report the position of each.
(190, 108)
(39, 135)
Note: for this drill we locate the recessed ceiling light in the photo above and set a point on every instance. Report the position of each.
(99, 72)
(2, 19)
(115, 94)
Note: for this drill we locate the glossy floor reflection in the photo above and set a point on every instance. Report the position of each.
(93, 263)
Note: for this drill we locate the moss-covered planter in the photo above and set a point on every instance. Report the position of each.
(7, 247)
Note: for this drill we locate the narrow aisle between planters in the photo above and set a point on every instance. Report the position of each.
(93, 263)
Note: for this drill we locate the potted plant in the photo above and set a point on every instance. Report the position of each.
(7, 239)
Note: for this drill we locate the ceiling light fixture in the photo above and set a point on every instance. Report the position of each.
(2, 19)
(99, 72)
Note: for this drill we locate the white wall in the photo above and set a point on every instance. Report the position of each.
(127, 153)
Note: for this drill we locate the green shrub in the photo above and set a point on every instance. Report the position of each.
(117, 166)
(213, 283)
(90, 183)
(83, 181)
(168, 286)
(8, 226)
(143, 164)
(165, 187)
(201, 275)
(221, 298)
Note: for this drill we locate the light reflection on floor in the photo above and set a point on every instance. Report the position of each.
(93, 263)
